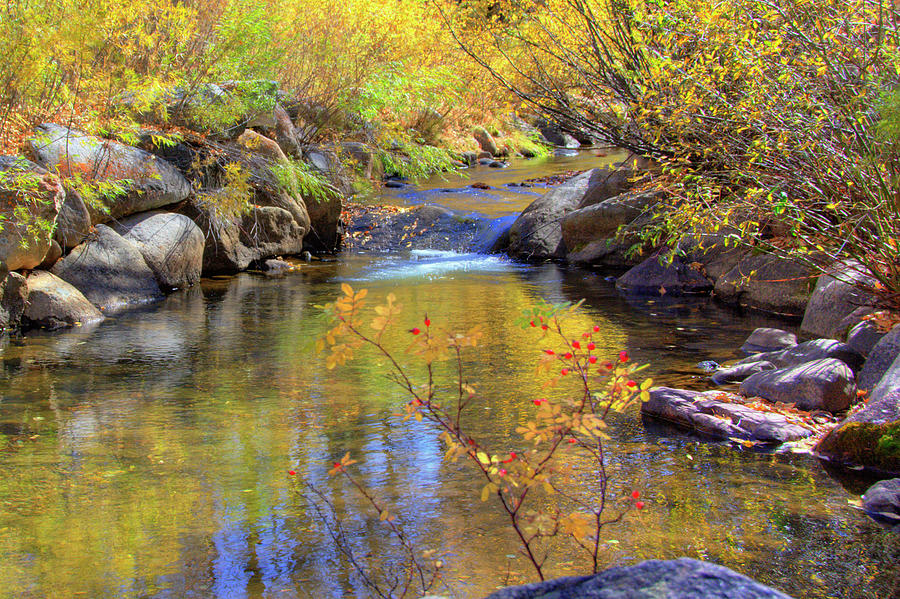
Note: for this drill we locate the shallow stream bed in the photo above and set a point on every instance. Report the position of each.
(148, 456)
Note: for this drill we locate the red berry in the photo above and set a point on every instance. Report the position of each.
(635, 494)
(415, 331)
(538, 402)
(544, 327)
(596, 329)
(502, 472)
(549, 352)
(512, 455)
(571, 439)
(585, 335)
(292, 472)
(592, 346)
(564, 371)
(471, 442)
(427, 322)
(532, 324)
(608, 365)
(567, 356)
(576, 345)
(631, 384)
(639, 505)
(592, 359)
(337, 465)
(623, 356)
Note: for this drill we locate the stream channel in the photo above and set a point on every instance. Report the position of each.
(148, 456)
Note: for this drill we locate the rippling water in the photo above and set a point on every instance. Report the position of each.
(148, 456)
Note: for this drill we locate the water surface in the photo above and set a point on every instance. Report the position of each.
(148, 456)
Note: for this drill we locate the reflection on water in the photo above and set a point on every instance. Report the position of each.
(147, 456)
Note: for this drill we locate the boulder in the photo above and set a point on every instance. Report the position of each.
(271, 231)
(682, 578)
(825, 384)
(864, 336)
(53, 303)
(262, 145)
(365, 162)
(602, 220)
(53, 254)
(739, 372)
(835, 297)
(537, 232)
(716, 253)
(73, 222)
(30, 199)
(883, 354)
(764, 340)
(485, 141)
(650, 277)
(870, 437)
(882, 502)
(13, 297)
(149, 181)
(110, 271)
(768, 283)
(285, 134)
(710, 413)
(817, 349)
(325, 226)
(171, 244)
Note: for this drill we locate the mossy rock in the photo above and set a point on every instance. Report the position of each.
(873, 445)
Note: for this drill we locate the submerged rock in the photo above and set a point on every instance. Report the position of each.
(882, 502)
(682, 578)
(710, 414)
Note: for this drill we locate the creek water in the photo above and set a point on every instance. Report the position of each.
(148, 456)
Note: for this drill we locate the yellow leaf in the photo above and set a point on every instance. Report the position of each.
(483, 457)
(347, 289)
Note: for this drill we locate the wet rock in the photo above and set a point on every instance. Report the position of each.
(716, 253)
(53, 254)
(768, 283)
(766, 340)
(739, 372)
(537, 233)
(864, 336)
(601, 220)
(154, 182)
(650, 277)
(24, 242)
(707, 414)
(825, 384)
(54, 303)
(485, 141)
(883, 354)
(835, 297)
(682, 578)
(275, 266)
(171, 244)
(13, 297)
(808, 351)
(110, 271)
(882, 502)
(870, 437)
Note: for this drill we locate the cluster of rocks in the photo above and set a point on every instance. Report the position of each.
(91, 225)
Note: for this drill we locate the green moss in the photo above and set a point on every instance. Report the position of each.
(865, 443)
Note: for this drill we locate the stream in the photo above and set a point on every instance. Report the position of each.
(148, 456)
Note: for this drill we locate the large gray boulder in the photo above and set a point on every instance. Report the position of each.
(171, 244)
(768, 283)
(150, 182)
(54, 303)
(537, 232)
(882, 502)
(883, 354)
(110, 271)
(602, 219)
(817, 349)
(30, 199)
(682, 578)
(835, 297)
(864, 336)
(708, 414)
(826, 384)
(651, 277)
(485, 141)
(234, 243)
(13, 297)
